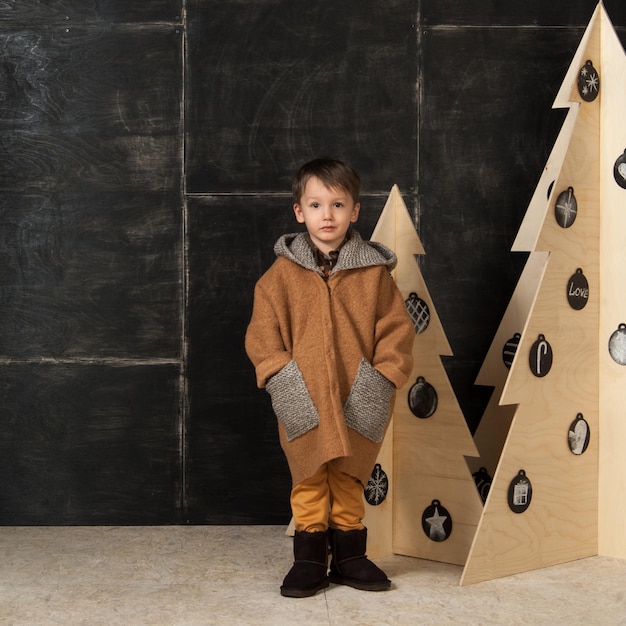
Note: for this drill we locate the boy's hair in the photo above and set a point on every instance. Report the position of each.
(333, 173)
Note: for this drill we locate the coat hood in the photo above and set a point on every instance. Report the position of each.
(355, 253)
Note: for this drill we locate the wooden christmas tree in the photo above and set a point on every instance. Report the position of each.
(432, 505)
(555, 491)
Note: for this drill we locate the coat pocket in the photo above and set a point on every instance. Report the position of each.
(368, 406)
(292, 402)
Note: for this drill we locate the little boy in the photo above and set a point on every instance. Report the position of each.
(331, 341)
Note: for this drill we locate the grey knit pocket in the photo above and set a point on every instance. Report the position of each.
(368, 405)
(292, 402)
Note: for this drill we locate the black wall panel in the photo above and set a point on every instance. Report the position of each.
(69, 12)
(274, 84)
(147, 151)
(91, 268)
(89, 444)
(532, 13)
(91, 219)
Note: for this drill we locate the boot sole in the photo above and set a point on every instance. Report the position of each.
(294, 592)
(357, 584)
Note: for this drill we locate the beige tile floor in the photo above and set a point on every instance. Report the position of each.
(205, 575)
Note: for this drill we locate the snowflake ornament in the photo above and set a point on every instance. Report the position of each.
(588, 82)
(377, 486)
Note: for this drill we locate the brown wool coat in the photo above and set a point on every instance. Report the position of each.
(331, 354)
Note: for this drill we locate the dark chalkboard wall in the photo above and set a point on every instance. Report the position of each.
(148, 148)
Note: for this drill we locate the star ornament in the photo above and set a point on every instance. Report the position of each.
(437, 533)
(436, 522)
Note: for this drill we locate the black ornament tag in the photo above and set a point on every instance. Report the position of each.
(588, 82)
(520, 493)
(377, 486)
(436, 522)
(483, 482)
(578, 290)
(418, 311)
(509, 350)
(619, 170)
(540, 357)
(578, 435)
(422, 398)
(566, 208)
(617, 345)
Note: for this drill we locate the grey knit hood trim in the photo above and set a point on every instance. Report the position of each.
(355, 253)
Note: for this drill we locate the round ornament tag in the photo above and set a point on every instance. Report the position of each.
(422, 398)
(578, 435)
(588, 82)
(566, 208)
(617, 345)
(520, 493)
(509, 350)
(577, 290)
(483, 482)
(540, 357)
(418, 311)
(436, 522)
(377, 486)
(619, 170)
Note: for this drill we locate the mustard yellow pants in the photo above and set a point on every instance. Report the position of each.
(328, 498)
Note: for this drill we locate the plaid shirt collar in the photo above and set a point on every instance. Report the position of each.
(326, 262)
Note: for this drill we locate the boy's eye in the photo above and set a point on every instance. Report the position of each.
(315, 205)
(338, 205)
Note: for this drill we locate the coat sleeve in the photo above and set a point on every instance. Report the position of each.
(394, 335)
(264, 343)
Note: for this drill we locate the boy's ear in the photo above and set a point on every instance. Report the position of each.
(298, 212)
(355, 212)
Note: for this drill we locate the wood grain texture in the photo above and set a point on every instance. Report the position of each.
(612, 479)
(427, 456)
(561, 523)
(68, 12)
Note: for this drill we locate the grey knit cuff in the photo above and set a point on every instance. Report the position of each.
(292, 402)
(368, 407)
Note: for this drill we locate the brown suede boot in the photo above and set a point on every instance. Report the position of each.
(309, 572)
(350, 566)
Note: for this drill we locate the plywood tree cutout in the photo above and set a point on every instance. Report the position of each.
(549, 503)
(495, 422)
(435, 505)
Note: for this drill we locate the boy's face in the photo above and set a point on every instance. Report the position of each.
(327, 214)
